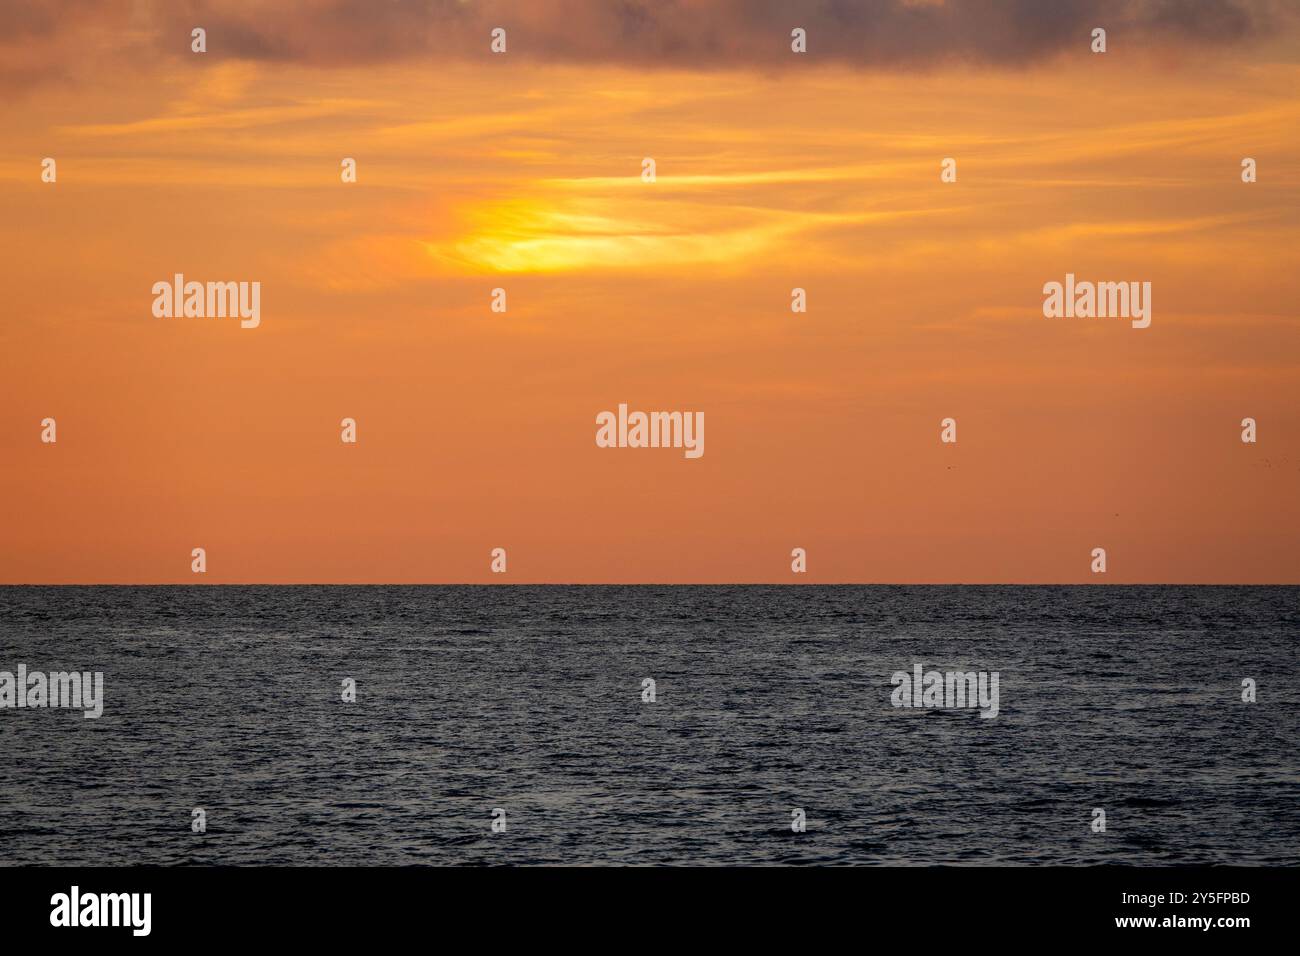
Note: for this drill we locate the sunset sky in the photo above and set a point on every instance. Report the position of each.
(774, 170)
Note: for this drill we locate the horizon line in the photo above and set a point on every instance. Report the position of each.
(656, 584)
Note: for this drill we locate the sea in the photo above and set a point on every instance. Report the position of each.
(640, 725)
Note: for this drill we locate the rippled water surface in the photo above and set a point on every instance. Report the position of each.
(768, 699)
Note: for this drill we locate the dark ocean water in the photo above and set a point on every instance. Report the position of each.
(769, 698)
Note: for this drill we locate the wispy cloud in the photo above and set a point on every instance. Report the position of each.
(55, 40)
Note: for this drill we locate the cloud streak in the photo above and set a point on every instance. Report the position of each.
(686, 34)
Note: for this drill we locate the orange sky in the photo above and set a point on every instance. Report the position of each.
(476, 430)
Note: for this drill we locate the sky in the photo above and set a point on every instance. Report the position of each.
(774, 170)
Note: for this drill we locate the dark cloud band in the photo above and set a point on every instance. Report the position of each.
(693, 34)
